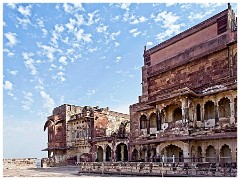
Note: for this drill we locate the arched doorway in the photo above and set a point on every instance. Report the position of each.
(171, 150)
(153, 120)
(224, 108)
(108, 154)
(135, 155)
(100, 154)
(143, 122)
(177, 114)
(209, 110)
(198, 111)
(225, 154)
(211, 155)
(122, 152)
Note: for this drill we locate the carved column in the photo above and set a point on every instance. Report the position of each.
(216, 111)
(186, 153)
(185, 110)
(148, 125)
(159, 120)
(104, 154)
(232, 111)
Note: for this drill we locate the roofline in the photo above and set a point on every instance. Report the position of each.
(185, 33)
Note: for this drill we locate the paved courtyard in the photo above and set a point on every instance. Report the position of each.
(69, 171)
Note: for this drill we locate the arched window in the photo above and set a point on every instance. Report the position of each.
(211, 155)
(209, 110)
(177, 114)
(224, 108)
(225, 154)
(198, 110)
(143, 122)
(153, 120)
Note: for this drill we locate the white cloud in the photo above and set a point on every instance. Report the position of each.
(80, 19)
(13, 72)
(90, 92)
(102, 28)
(48, 102)
(169, 23)
(48, 51)
(135, 32)
(91, 19)
(29, 62)
(24, 22)
(114, 35)
(9, 53)
(137, 20)
(71, 24)
(118, 58)
(25, 11)
(12, 39)
(60, 75)
(39, 84)
(59, 28)
(149, 43)
(169, 4)
(11, 5)
(62, 60)
(81, 36)
(45, 32)
(27, 103)
(116, 44)
(125, 6)
(30, 65)
(8, 86)
(4, 24)
(200, 15)
(72, 8)
(40, 23)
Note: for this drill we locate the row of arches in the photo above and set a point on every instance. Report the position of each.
(120, 154)
(174, 112)
(181, 155)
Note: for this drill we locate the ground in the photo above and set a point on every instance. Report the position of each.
(68, 171)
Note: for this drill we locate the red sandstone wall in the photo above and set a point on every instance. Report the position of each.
(197, 38)
(197, 75)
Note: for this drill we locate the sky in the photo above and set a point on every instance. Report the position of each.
(80, 54)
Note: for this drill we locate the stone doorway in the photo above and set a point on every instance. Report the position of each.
(108, 154)
(122, 152)
(100, 154)
(171, 150)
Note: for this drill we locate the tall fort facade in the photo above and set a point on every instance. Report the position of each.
(188, 106)
(187, 110)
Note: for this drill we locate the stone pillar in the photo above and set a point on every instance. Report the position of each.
(216, 112)
(78, 157)
(104, 154)
(186, 153)
(114, 154)
(185, 110)
(122, 152)
(129, 153)
(159, 120)
(232, 112)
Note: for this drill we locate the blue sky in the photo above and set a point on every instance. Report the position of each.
(81, 54)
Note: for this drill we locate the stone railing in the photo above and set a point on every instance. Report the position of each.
(159, 169)
(19, 163)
